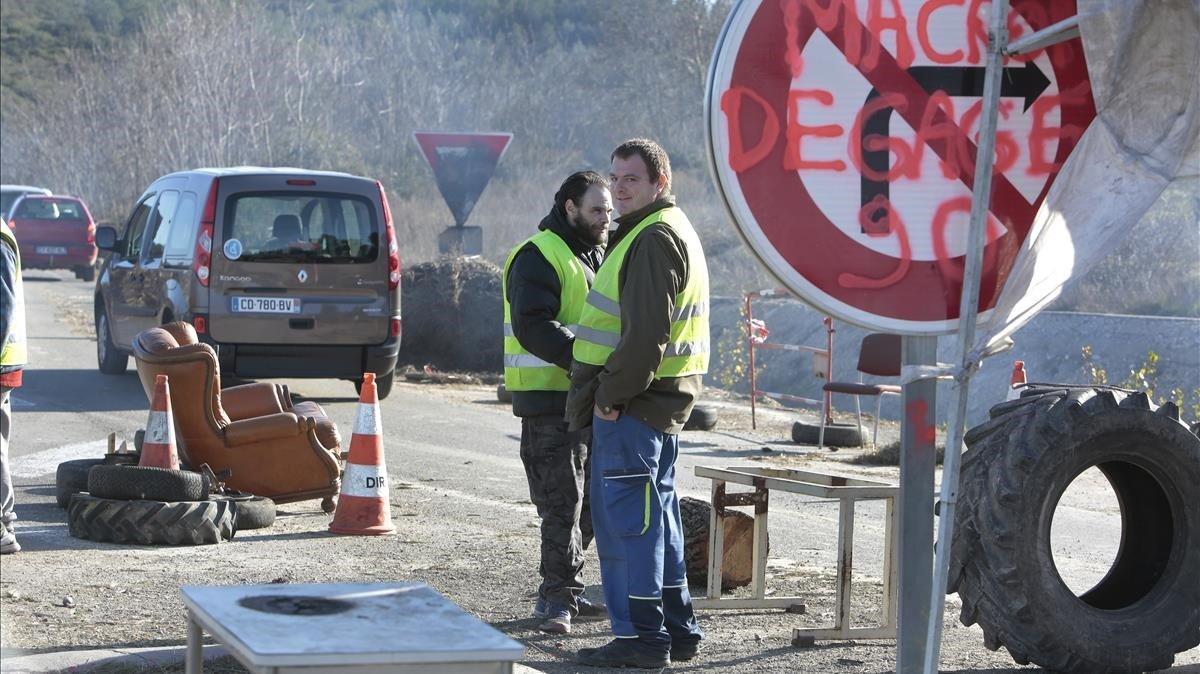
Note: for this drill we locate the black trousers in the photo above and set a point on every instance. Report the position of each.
(558, 465)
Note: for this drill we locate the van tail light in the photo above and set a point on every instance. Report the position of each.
(91, 232)
(396, 327)
(202, 259)
(393, 247)
(200, 322)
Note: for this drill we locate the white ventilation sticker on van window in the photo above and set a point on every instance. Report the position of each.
(233, 249)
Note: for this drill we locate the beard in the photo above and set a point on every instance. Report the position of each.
(587, 232)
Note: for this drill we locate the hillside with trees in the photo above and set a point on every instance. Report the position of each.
(99, 97)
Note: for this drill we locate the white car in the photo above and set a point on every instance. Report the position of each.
(10, 193)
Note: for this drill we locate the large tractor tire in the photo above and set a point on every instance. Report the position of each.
(1147, 607)
(151, 522)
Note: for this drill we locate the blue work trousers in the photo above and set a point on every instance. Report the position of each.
(639, 536)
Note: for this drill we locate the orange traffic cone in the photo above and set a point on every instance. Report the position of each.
(158, 446)
(363, 508)
(1018, 379)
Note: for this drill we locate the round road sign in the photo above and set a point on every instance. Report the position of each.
(843, 137)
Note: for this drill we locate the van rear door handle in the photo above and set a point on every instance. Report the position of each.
(301, 323)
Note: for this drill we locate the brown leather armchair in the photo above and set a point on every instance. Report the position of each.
(273, 448)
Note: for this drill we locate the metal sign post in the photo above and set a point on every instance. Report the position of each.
(969, 309)
(918, 447)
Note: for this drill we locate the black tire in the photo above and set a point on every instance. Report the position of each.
(383, 385)
(1147, 608)
(701, 419)
(503, 394)
(87, 273)
(71, 477)
(251, 512)
(110, 359)
(836, 434)
(146, 483)
(150, 522)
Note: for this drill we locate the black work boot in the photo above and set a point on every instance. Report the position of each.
(624, 653)
(682, 652)
(590, 610)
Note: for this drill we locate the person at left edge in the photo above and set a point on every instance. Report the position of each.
(13, 352)
(545, 283)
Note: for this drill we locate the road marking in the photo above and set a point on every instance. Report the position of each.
(47, 460)
(21, 403)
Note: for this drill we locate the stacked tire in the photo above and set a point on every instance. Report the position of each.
(154, 506)
(1019, 463)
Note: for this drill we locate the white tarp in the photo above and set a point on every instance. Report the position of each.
(1143, 59)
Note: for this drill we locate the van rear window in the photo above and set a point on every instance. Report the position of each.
(311, 227)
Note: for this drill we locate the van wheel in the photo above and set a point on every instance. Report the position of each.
(383, 384)
(87, 273)
(111, 359)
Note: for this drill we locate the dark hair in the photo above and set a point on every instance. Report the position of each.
(575, 186)
(657, 161)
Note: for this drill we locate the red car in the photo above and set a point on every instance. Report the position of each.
(55, 232)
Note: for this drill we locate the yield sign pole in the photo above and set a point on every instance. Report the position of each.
(968, 311)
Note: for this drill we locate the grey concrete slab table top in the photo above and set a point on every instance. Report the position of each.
(323, 625)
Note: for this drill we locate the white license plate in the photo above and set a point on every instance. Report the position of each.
(266, 305)
(50, 250)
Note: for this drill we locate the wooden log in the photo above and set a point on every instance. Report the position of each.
(738, 555)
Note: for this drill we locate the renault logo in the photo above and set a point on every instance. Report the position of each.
(303, 276)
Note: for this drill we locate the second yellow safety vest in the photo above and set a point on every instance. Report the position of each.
(524, 371)
(599, 331)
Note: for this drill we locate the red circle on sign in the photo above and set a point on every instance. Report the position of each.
(785, 226)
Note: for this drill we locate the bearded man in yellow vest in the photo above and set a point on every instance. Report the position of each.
(13, 351)
(641, 351)
(546, 281)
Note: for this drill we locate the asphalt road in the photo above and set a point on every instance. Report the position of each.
(461, 506)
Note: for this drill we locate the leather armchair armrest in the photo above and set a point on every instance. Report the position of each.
(259, 429)
(251, 400)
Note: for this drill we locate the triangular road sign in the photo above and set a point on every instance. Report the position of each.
(462, 164)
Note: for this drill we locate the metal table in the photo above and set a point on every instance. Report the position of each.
(353, 627)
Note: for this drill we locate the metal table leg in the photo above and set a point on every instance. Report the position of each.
(195, 647)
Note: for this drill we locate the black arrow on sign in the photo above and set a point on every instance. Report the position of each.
(1027, 83)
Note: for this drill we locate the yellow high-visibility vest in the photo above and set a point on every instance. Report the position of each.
(14, 351)
(599, 330)
(524, 371)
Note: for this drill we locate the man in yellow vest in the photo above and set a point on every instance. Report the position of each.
(546, 280)
(641, 351)
(12, 361)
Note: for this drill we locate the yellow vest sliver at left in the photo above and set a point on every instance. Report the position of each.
(13, 352)
(524, 371)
